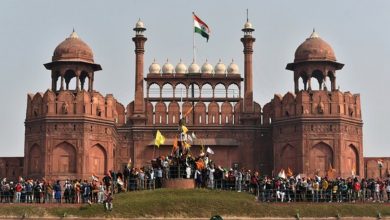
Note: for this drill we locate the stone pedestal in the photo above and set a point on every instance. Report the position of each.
(179, 184)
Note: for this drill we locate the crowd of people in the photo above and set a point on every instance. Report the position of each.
(205, 175)
(285, 188)
(75, 191)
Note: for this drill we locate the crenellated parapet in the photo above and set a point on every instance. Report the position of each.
(315, 104)
(69, 104)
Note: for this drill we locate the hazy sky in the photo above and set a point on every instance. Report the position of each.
(358, 31)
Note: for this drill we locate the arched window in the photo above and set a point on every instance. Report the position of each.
(167, 91)
(288, 158)
(320, 78)
(352, 160)
(35, 159)
(207, 91)
(220, 91)
(321, 158)
(233, 91)
(70, 80)
(84, 80)
(154, 91)
(64, 158)
(97, 160)
(180, 91)
(194, 91)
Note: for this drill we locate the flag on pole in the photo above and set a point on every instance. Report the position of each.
(282, 174)
(129, 163)
(120, 181)
(175, 145)
(193, 135)
(209, 150)
(184, 129)
(200, 27)
(380, 163)
(189, 138)
(289, 172)
(188, 111)
(187, 145)
(95, 177)
(160, 139)
(200, 164)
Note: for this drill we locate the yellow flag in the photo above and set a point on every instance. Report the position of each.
(129, 163)
(184, 129)
(187, 145)
(160, 139)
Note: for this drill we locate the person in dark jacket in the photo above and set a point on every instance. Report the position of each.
(57, 191)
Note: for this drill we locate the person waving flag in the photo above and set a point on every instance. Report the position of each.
(160, 139)
(200, 27)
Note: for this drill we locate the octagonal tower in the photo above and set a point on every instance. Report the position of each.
(70, 129)
(316, 130)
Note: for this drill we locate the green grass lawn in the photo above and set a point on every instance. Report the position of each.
(197, 203)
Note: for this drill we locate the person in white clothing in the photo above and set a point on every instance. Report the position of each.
(211, 171)
(101, 189)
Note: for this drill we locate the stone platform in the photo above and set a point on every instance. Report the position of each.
(179, 183)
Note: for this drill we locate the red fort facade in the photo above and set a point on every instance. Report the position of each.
(73, 131)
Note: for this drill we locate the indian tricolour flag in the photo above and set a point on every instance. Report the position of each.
(201, 27)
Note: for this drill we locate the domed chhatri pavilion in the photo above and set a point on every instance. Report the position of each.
(73, 131)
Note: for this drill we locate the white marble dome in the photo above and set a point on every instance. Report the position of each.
(248, 25)
(139, 24)
(181, 68)
(154, 67)
(167, 68)
(233, 68)
(193, 68)
(207, 68)
(220, 68)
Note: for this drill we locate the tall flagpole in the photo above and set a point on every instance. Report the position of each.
(193, 38)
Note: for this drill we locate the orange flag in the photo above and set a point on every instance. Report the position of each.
(289, 172)
(331, 172)
(188, 112)
(174, 145)
(200, 164)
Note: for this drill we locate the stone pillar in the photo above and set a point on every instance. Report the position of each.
(139, 105)
(92, 79)
(82, 81)
(296, 84)
(78, 80)
(53, 81)
(333, 83)
(90, 82)
(309, 83)
(248, 41)
(62, 82)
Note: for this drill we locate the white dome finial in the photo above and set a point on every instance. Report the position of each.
(139, 24)
(314, 34)
(74, 34)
